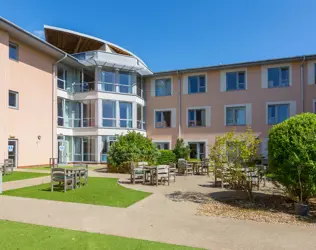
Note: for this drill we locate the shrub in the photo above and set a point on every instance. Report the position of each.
(292, 155)
(132, 147)
(180, 150)
(166, 157)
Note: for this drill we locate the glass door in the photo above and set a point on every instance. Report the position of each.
(13, 151)
(63, 152)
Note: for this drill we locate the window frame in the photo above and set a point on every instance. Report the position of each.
(16, 99)
(160, 143)
(280, 76)
(198, 84)
(164, 79)
(17, 51)
(162, 111)
(195, 121)
(276, 112)
(114, 105)
(237, 80)
(234, 117)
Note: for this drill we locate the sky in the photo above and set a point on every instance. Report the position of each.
(177, 34)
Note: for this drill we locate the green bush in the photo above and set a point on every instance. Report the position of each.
(132, 147)
(180, 150)
(292, 155)
(166, 157)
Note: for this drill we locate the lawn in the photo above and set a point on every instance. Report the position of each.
(99, 191)
(47, 168)
(15, 176)
(15, 235)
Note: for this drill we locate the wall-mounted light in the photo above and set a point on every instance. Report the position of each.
(39, 137)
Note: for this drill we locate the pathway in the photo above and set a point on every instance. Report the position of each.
(158, 218)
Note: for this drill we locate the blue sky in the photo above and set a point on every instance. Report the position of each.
(174, 34)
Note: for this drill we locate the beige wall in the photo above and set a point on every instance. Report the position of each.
(31, 77)
(255, 95)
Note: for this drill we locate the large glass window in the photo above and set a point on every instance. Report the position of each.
(278, 113)
(163, 119)
(60, 112)
(61, 78)
(84, 149)
(77, 148)
(125, 82)
(163, 87)
(196, 117)
(278, 77)
(235, 80)
(88, 112)
(108, 141)
(196, 84)
(125, 115)
(197, 150)
(236, 116)
(108, 80)
(13, 51)
(109, 113)
(77, 114)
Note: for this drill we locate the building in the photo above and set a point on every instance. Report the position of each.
(71, 95)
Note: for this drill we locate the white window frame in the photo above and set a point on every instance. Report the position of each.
(17, 51)
(248, 113)
(292, 108)
(153, 85)
(223, 79)
(185, 83)
(162, 142)
(111, 119)
(16, 99)
(65, 73)
(265, 77)
(164, 78)
(311, 74)
(186, 142)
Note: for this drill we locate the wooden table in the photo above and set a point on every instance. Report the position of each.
(196, 165)
(150, 170)
(76, 173)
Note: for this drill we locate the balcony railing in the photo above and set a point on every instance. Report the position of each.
(141, 125)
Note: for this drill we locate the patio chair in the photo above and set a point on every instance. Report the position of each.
(184, 167)
(137, 173)
(60, 175)
(172, 171)
(162, 174)
(8, 166)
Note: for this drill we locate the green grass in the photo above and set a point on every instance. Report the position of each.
(15, 235)
(91, 167)
(99, 191)
(15, 176)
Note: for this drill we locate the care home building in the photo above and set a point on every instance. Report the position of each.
(72, 94)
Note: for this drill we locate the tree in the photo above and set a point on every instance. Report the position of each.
(231, 154)
(292, 155)
(180, 150)
(132, 147)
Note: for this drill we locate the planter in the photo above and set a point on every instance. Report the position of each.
(301, 209)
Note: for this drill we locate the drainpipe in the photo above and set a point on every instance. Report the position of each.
(54, 101)
(179, 104)
(302, 84)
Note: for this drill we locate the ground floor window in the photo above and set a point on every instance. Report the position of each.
(107, 142)
(162, 145)
(197, 150)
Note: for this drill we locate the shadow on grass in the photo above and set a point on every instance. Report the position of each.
(272, 203)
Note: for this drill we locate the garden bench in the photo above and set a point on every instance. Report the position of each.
(62, 176)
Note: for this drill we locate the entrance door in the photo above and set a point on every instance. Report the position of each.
(197, 150)
(13, 151)
(62, 152)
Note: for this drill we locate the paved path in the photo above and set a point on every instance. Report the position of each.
(158, 218)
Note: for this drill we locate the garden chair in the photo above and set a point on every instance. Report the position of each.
(137, 173)
(162, 174)
(8, 166)
(172, 171)
(184, 167)
(61, 176)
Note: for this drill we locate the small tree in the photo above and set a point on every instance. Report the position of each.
(292, 155)
(233, 152)
(132, 147)
(180, 150)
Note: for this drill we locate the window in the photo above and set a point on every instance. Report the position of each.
(125, 82)
(163, 87)
(108, 80)
(235, 116)
(13, 99)
(197, 150)
(278, 113)
(140, 117)
(278, 77)
(88, 113)
(163, 119)
(125, 115)
(196, 84)
(235, 80)
(162, 145)
(108, 141)
(60, 112)
(13, 51)
(196, 118)
(61, 78)
(77, 114)
(109, 113)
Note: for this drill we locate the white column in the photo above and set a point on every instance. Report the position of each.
(117, 80)
(98, 147)
(134, 115)
(97, 78)
(99, 113)
(117, 114)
